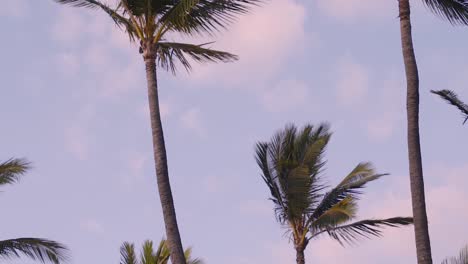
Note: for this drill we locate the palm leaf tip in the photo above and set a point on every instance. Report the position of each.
(452, 98)
(79, 3)
(40, 249)
(366, 228)
(12, 170)
(455, 11)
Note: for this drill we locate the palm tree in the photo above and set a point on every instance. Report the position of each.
(461, 259)
(456, 12)
(40, 249)
(292, 165)
(149, 22)
(452, 98)
(149, 256)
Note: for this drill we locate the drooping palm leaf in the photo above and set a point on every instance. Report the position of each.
(35, 248)
(12, 169)
(462, 258)
(171, 52)
(452, 98)
(455, 11)
(364, 229)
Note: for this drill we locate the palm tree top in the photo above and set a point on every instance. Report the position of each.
(149, 21)
(292, 163)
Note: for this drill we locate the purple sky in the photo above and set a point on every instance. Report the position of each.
(74, 103)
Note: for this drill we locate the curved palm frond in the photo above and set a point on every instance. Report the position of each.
(119, 20)
(452, 98)
(35, 248)
(127, 254)
(455, 11)
(188, 257)
(205, 16)
(340, 213)
(349, 186)
(169, 52)
(364, 229)
(462, 258)
(12, 169)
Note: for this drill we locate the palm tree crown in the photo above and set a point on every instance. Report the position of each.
(149, 256)
(150, 21)
(35, 248)
(292, 165)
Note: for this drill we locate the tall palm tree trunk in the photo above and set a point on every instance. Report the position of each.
(300, 259)
(162, 172)
(423, 245)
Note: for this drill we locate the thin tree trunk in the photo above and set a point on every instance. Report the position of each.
(421, 230)
(162, 173)
(300, 259)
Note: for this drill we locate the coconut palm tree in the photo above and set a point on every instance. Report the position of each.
(149, 22)
(292, 165)
(462, 258)
(456, 12)
(452, 98)
(149, 256)
(40, 249)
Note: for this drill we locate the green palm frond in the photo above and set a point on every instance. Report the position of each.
(364, 229)
(127, 254)
(362, 174)
(170, 52)
(35, 248)
(206, 16)
(12, 169)
(462, 258)
(291, 163)
(455, 11)
(452, 98)
(340, 213)
(147, 254)
(188, 257)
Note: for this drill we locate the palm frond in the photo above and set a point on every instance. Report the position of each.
(205, 16)
(462, 258)
(364, 229)
(188, 257)
(162, 254)
(340, 213)
(455, 11)
(349, 186)
(12, 169)
(127, 254)
(291, 163)
(121, 21)
(452, 98)
(35, 248)
(147, 254)
(168, 52)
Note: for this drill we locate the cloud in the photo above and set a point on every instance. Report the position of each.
(352, 82)
(262, 41)
(353, 10)
(191, 120)
(67, 64)
(92, 226)
(285, 95)
(76, 135)
(14, 8)
(390, 104)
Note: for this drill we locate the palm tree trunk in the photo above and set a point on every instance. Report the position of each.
(162, 173)
(423, 245)
(300, 259)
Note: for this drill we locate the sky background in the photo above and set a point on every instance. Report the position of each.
(74, 103)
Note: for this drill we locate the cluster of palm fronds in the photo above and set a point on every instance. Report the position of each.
(462, 258)
(149, 256)
(292, 165)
